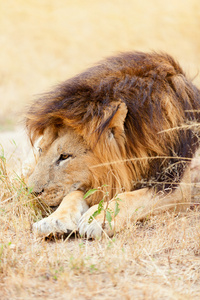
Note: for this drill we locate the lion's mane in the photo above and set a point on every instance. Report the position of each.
(135, 110)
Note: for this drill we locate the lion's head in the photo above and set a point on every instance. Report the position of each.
(63, 165)
(112, 125)
(67, 162)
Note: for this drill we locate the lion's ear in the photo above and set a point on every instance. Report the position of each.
(117, 122)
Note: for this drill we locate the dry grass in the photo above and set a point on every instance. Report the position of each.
(42, 43)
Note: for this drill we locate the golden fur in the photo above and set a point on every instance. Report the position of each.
(126, 123)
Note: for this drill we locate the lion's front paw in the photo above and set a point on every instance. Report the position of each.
(53, 225)
(65, 218)
(92, 227)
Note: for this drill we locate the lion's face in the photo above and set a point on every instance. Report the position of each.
(63, 166)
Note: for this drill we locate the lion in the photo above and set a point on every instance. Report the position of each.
(125, 130)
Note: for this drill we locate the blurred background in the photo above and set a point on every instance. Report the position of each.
(43, 42)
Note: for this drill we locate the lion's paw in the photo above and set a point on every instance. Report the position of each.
(53, 225)
(93, 229)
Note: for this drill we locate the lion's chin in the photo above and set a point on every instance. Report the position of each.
(52, 199)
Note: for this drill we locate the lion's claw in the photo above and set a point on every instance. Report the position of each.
(89, 230)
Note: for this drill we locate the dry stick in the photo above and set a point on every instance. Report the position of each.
(104, 217)
(143, 158)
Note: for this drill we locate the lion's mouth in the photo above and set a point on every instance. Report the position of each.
(53, 197)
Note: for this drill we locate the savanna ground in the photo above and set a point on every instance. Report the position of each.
(43, 43)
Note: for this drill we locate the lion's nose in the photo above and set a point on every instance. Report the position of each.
(37, 193)
(36, 186)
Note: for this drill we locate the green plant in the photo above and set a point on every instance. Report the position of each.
(103, 207)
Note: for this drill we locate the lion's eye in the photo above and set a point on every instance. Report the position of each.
(64, 156)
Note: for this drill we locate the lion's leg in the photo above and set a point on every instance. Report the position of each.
(66, 216)
(134, 206)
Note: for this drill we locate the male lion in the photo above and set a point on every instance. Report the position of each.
(125, 127)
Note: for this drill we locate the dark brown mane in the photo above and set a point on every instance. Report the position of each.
(158, 97)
